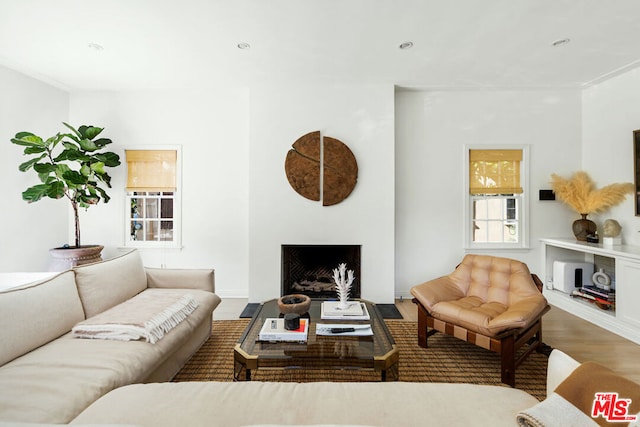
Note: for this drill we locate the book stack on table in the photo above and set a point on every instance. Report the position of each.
(604, 298)
(273, 330)
(356, 310)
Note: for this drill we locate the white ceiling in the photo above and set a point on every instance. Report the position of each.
(193, 43)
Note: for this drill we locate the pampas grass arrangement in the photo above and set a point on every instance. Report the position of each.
(580, 194)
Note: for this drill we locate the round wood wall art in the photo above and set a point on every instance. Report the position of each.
(339, 168)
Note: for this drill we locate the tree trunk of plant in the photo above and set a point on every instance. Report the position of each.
(77, 222)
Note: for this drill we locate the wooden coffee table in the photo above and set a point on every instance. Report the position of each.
(376, 353)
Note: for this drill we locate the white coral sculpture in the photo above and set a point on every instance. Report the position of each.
(343, 285)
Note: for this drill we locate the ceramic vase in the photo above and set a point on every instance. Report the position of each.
(584, 227)
(64, 258)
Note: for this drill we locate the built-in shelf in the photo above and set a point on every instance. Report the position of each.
(621, 263)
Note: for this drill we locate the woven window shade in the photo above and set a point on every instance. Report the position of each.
(151, 170)
(494, 171)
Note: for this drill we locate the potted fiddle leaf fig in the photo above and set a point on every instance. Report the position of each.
(72, 166)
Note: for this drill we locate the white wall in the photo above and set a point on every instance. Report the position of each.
(611, 112)
(29, 230)
(238, 207)
(360, 116)
(212, 128)
(432, 128)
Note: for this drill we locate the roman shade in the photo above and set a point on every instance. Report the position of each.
(151, 170)
(495, 171)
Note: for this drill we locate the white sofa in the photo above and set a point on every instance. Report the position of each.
(326, 404)
(48, 376)
(394, 404)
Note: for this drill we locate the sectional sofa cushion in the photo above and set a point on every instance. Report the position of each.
(180, 278)
(224, 404)
(55, 382)
(109, 283)
(38, 313)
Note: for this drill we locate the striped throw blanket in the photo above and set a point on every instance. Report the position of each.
(146, 317)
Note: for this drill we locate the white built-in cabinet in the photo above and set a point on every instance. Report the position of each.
(621, 263)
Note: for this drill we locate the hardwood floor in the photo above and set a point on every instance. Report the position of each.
(578, 338)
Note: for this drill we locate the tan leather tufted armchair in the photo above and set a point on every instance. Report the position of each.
(492, 302)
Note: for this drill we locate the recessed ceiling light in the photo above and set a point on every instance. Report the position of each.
(95, 46)
(244, 45)
(406, 45)
(560, 42)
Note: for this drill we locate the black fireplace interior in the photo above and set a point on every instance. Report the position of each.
(308, 269)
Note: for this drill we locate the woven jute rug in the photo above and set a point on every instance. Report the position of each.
(446, 360)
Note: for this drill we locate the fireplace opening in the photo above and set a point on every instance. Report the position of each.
(308, 269)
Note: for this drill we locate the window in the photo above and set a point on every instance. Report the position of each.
(153, 201)
(496, 202)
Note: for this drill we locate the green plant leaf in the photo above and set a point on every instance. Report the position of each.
(72, 137)
(74, 177)
(35, 193)
(27, 139)
(73, 155)
(89, 132)
(23, 134)
(85, 170)
(29, 163)
(88, 145)
(98, 168)
(44, 177)
(88, 199)
(56, 190)
(105, 196)
(34, 150)
(109, 159)
(70, 145)
(61, 168)
(101, 142)
(44, 168)
(104, 177)
(73, 130)
(54, 140)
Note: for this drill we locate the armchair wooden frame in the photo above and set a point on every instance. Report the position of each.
(507, 344)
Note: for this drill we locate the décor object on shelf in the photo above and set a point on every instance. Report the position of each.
(314, 159)
(72, 166)
(580, 194)
(601, 279)
(584, 228)
(294, 303)
(343, 284)
(612, 233)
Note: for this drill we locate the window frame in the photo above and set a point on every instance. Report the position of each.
(523, 214)
(176, 243)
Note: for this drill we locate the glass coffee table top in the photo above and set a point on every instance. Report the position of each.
(377, 352)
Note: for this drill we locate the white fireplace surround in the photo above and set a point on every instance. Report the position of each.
(365, 122)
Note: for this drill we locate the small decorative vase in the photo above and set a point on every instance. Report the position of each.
(583, 227)
(601, 280)
(294, 303)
